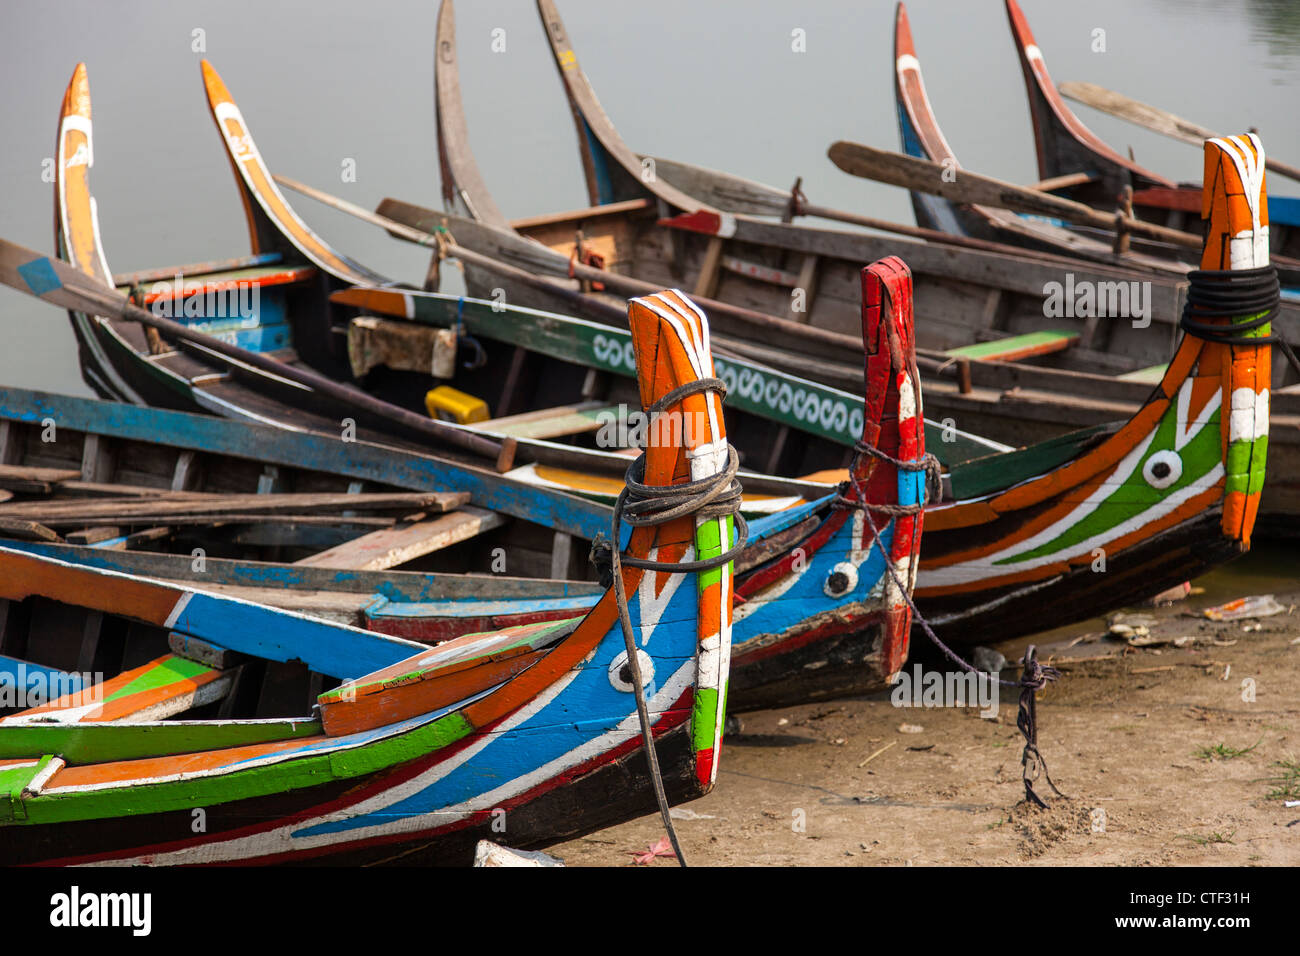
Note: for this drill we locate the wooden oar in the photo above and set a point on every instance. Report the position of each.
(829, 343)
(1156, 120)
(57, 282)
(737, 194)
(966, 187)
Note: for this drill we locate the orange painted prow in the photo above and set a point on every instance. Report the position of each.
(1235, 205)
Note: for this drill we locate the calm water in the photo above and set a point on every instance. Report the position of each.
(711, 82)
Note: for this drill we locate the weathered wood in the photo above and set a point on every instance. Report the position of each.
(921, 175)
(554, 422)
(34, 481)
(1156, 120)
(193, 505)
(395, 546)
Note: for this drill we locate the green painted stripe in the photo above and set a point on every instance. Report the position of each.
(293, 774)
(704, 720)
(171, 671)
(1015, 343)
(97, 743)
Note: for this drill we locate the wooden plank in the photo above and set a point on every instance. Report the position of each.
(436, 677)
(550, 422)
(1017, 346)
(9, 440)
(390, 547)
(96, 459)
(1064, 182)
(96, 743)
(165, 686)
(195, 268)
(561, 554)
(1151, 375)
(807, 281)
(189, 504)
(27, 530)
(707, 281)
(34, 481)
(361, 459)
(94, 535)
(185, 474)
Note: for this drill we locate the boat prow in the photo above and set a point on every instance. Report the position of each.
(273, 224)
(1064, 144)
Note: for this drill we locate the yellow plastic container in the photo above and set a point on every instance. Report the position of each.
(451, 404)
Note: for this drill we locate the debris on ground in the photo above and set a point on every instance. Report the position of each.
(488, 853)
(988, 660)
(1172, 595)
(660, 848)
(681, 813)
(1258, 605)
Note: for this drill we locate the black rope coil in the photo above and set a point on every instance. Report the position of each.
(1233, 293)
(642, 505)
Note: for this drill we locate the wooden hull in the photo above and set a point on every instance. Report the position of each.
(609, 790)
(994, 545)
(410, 750)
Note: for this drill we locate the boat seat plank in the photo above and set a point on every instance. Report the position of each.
(196, 268)
(165, 686)
(24, 675)
(581, 215)
(1016, 346)
(553, 422)
(390, 547)
(92, 743)
(259, 276)
(35, 481)
(178, 504)
(437, 677)
(1151, 375)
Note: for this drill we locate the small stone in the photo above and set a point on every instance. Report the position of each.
(910, 728)
(988, 660)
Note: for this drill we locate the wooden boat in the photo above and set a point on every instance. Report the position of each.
(523, 395)
(1016, 383)
(921, 136)
(1187, 468)
(1001, 552)
(1066, 147)
(417, 753)
(821, 618)
(787, 286)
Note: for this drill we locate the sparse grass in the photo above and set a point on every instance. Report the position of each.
(1224, 752)
(1215, 837)
(1286, 784)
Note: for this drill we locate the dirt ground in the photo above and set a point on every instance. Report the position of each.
(1162, 755)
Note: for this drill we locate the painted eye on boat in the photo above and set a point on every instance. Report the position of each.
(620, 671)
(842, 579)
(1162, 469)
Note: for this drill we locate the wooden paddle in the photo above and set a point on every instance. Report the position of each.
(1156, 120)
(966, 187)
(739, 195)
(828, 343)
(60, 283)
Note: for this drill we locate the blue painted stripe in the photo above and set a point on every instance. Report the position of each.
(549, 508)
(1284, 210)
(20, 674)
(384, 608)
(40, 276)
